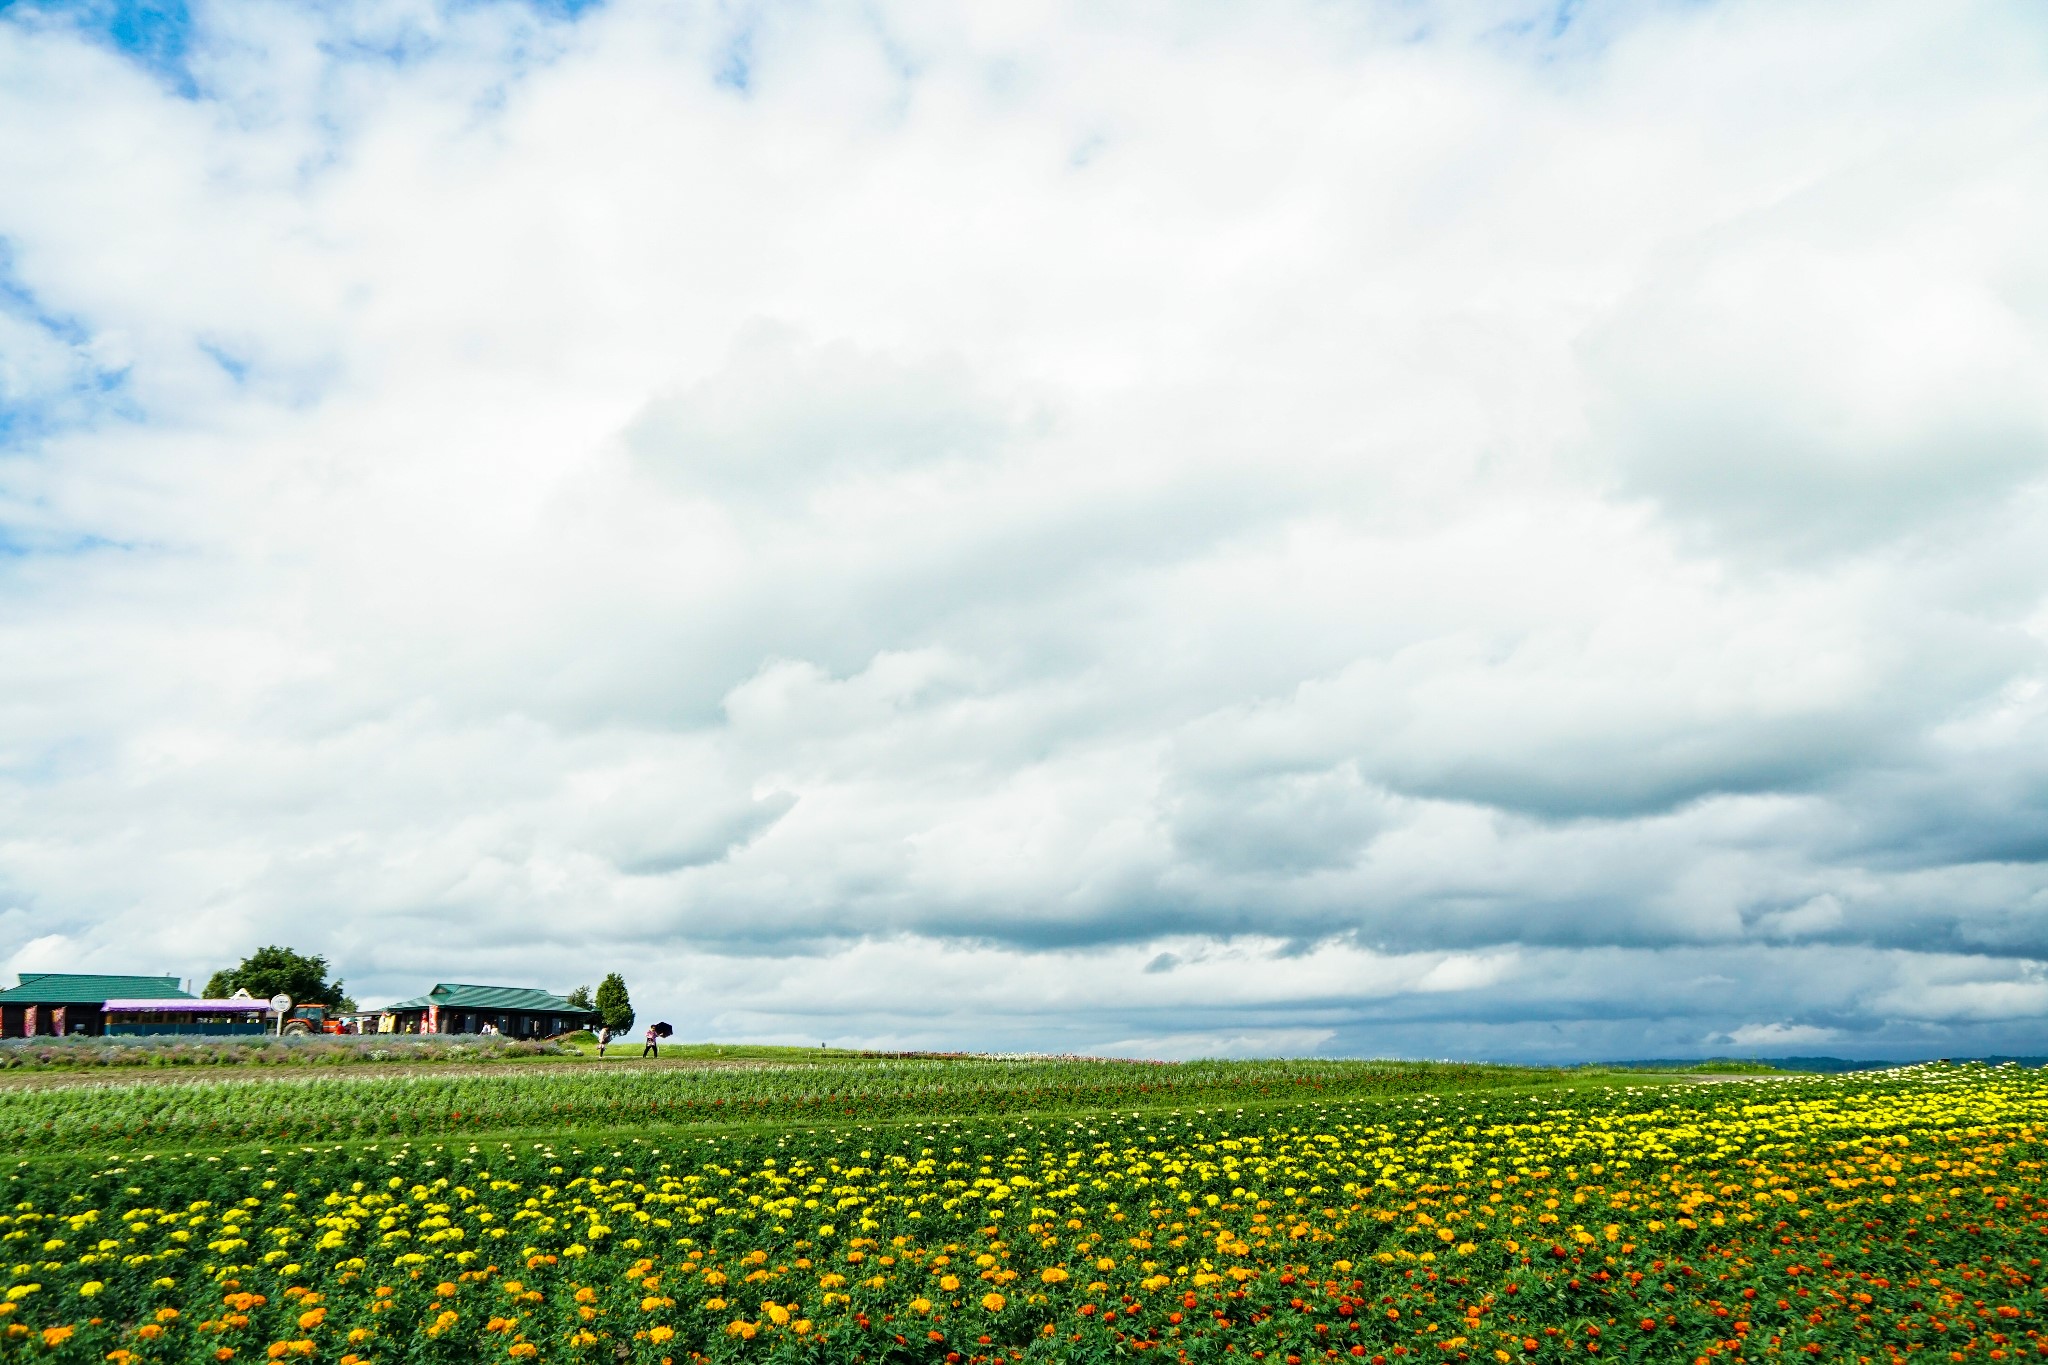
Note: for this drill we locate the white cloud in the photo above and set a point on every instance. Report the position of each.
(1366, 530)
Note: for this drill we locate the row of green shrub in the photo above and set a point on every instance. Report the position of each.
(70, 1054)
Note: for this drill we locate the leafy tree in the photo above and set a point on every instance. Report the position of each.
(275, 970)
(580, 998)
(614, 1006)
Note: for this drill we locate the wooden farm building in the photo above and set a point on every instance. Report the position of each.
(515, 1011)
(53, 1004)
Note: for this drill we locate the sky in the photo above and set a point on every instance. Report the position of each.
(1498, 529)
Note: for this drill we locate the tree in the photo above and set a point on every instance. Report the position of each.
(580, 998)
(614, 1006)
(279, 971)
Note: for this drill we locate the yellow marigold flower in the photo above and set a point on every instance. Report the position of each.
(949, 1283)
(445, 1289)
(1107, 1264)
(90, 1288)
(521, 1350)
(308, 1321)
(993, 1302)
(920, 1304)
(777, 1314)
(57, 1336)
(658, 1335)
(1052, 1275)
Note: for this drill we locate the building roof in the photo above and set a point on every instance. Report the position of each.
(455, 996)
(69, 988)
(223, 1005)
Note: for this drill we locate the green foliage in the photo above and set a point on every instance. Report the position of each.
(580, 998)
(276, 970)
(614, 1006)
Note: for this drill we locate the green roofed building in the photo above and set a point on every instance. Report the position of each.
(515, 1011)
(51, 1004)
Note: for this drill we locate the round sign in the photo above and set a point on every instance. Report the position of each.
(280, 1003)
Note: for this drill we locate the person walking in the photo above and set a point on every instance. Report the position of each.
(604, 1039)
(653, 1047)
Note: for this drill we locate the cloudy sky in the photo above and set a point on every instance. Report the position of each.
(1496, 529)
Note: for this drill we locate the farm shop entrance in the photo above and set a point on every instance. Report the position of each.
(48, 1021)
(510, 1023)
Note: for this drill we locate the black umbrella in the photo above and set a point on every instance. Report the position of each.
(663, 1029)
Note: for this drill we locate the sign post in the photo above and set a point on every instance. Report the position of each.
(283, 1005)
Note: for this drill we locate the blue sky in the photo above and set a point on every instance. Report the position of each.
(1500, 531)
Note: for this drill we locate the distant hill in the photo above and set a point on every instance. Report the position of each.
(1827, 1065)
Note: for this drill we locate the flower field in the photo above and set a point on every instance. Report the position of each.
(1851, 1219)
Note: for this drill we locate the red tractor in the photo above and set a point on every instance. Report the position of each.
(304, 1019)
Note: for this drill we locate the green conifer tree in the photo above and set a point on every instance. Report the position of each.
(614, 1006)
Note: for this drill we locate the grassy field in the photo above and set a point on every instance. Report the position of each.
(710, 1088)
(755, 1204)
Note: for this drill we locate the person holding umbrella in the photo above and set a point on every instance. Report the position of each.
(655, 1033)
